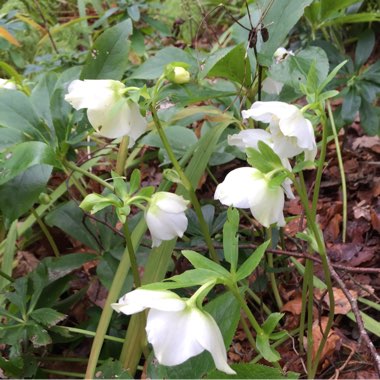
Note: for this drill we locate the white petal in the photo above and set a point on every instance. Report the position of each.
(267, 112)
(112, 122)
(170, 202)
(210, 338)
(249, 138)
(165, 226)
(138, 123)
(268, 204)
(8, 84)
(172, 335)
(271, 86)
(297, 126)
(95, 94)
(140, 299)
(237, 188)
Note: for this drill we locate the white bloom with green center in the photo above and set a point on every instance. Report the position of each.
(7, 84)
(249, 188)
(108, 111)
(166, 217)
(291, 132)
(176, 328)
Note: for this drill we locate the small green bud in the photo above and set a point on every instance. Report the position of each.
(176, 72)
(44, 199)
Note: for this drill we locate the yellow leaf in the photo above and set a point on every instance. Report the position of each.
(31, 23)
(5, 34)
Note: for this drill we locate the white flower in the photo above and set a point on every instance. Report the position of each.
(291, 132)
(281, 54)
(166, 217)
(249, 138)
(108, 111)
(176, 328)
(271, 86)
(249, 188)
(6, 83)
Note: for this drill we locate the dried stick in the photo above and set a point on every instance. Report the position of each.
(358, 317)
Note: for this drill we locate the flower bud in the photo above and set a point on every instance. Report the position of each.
(176, 72)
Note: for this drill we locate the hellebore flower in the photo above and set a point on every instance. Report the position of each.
(108, 111)
(181, 75)
(281, 54)
(291, 132)
(166, 217)
(249, 188)
(8, 84)
(271, 86)
(175, 327)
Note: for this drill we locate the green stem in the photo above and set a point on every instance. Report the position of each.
(308, 271)
(321, 164)
(4, 275)
(86, 173)
(106, 315)
(122, 155)
(132, 256)
(273, 281)
(63, 373)
(247, 311)
(76, 183)
(46, 233)
(342, 173)
(322, 251)
(310, 339)
(91, 333)
(186, 183)
(259, 301)
(248, 333)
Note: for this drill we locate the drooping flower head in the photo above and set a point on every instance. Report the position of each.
(291, 132)
(166, 217)
(249, 188)
(176, 328)
(110, 114)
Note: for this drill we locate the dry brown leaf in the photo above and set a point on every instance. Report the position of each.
(294, 306)
(342, 305)
(332, 342)
(372, 142)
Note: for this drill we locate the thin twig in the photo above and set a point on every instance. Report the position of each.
(358, 317)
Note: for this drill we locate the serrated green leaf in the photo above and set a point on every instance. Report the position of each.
(38, 335)
(47, 317)
(252, 262)
(200, 262)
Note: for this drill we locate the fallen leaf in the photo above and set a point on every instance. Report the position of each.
(294, 306)
(375, 220)
(342, 305)
(371, 142)
(332, 342)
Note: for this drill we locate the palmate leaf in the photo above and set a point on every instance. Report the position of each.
(47, 317)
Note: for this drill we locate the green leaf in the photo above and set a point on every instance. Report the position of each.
(364, 47)
(370, 118)
(19, 194)
(47, 317)
(112, 369)
(108, 58)
(200, 262)
(38, 335)
(256, 160)
(135, 180)
(96, 202)
(17, 113)
(303, 165)
(271, 323)
(351, 104)
(154, 66)
(252, 371)
(331, 76)
(195, 277)
(370, 324)
(229, 63)
(265, 349)
(279, 20)
(8, 255)
(19, 158)
(230, 238)
(252, 262)
(329, 8)
(269, 154)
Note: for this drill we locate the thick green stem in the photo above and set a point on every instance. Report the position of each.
(246, 309)
(247, 331)
(106, 315)
(342, 173)
(122, 155)
(186, 183)
(132, 256)
(258, 300)
(76, 183)
(46, 233)
(91, 333)
(86, 173)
